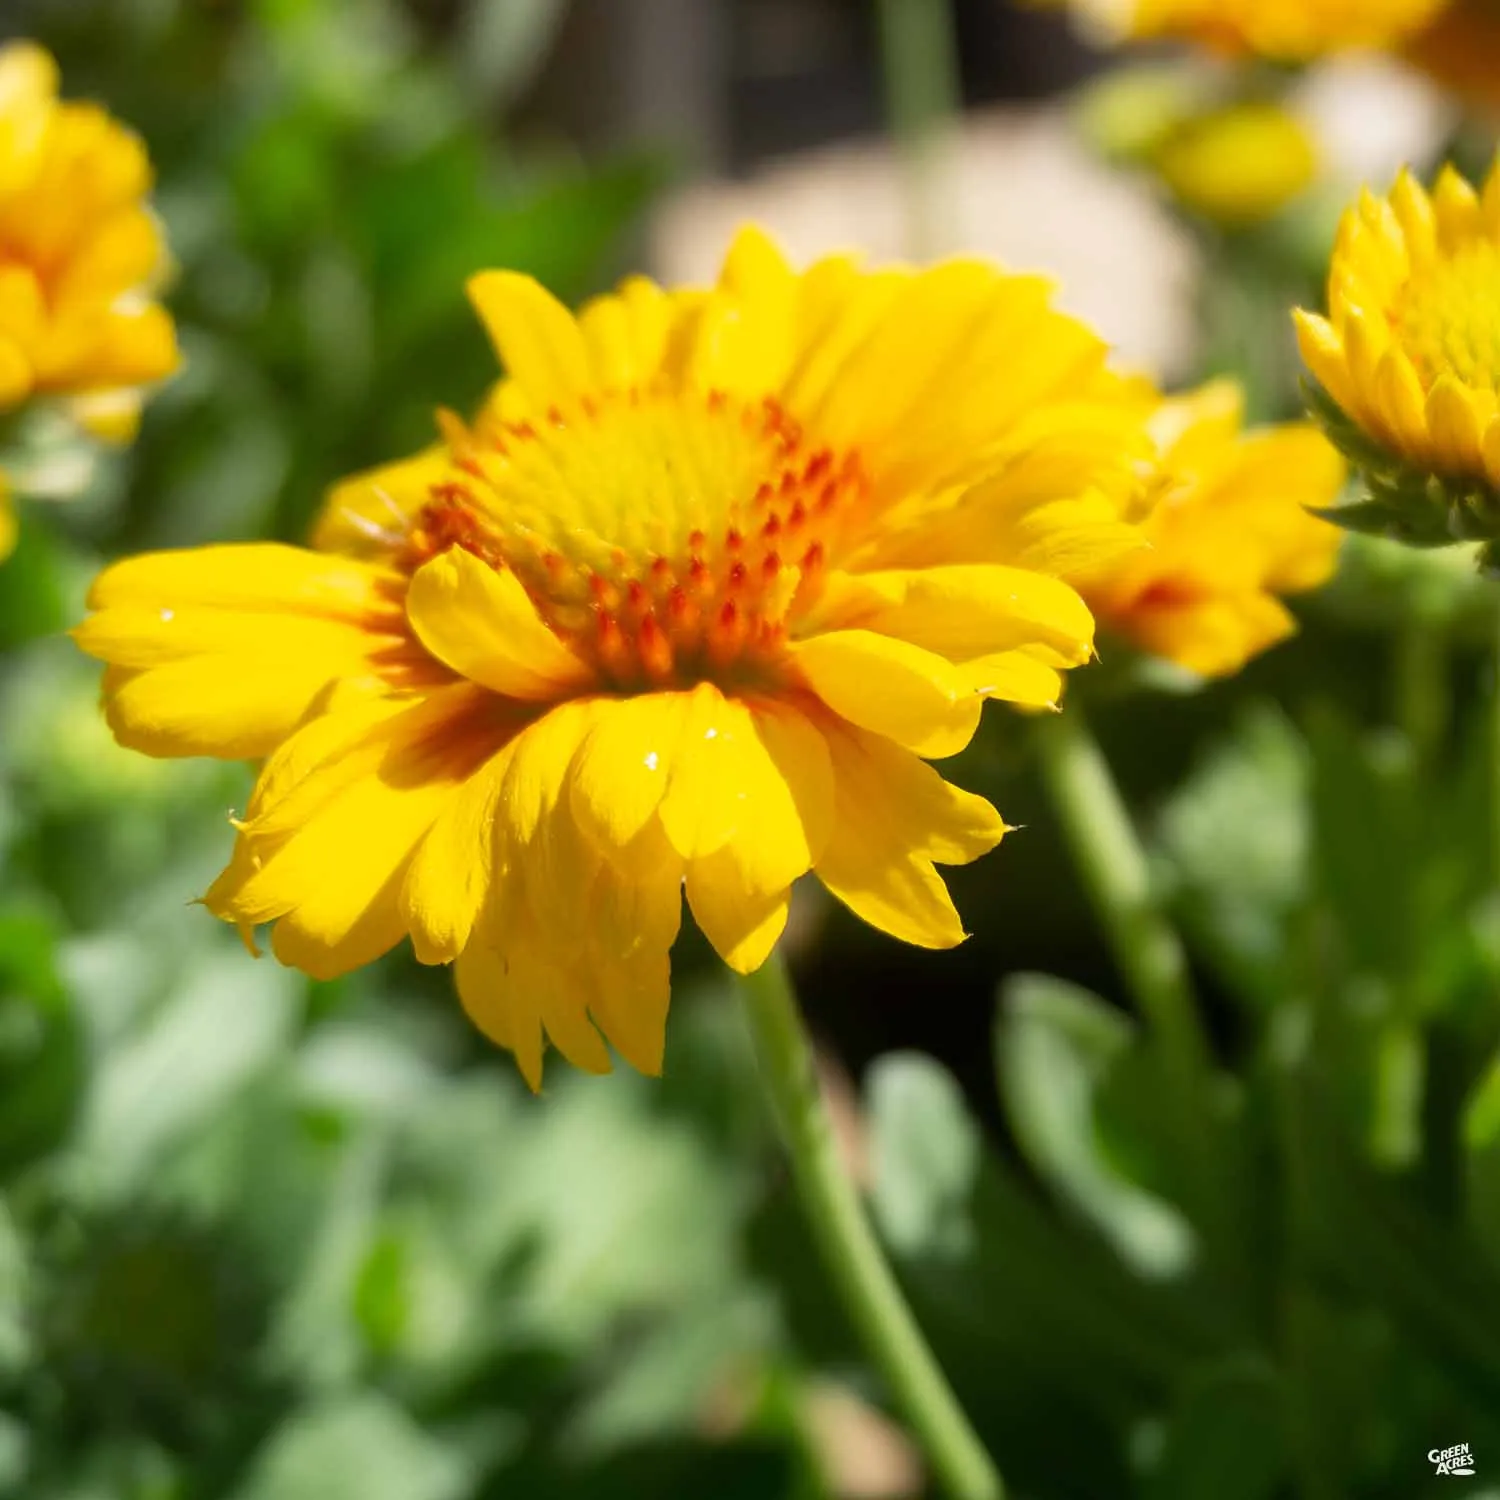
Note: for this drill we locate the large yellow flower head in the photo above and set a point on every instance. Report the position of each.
(1283, 30)
(1408, 358)
(687, 605)
(79, 251)
(1228, 531)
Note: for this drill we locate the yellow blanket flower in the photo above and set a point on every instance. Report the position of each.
(1228, 531)
(688, 605)
(1409, 357)
(78, 252)
(1284, 30)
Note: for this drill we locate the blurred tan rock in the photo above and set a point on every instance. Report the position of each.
(862, 1453)
(1373, 116)
(1015, 186)
(1020, 187)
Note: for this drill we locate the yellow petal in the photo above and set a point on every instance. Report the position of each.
(540, 766)
(370, 512)
(137, 348)
(111, 416)
(626, 333)
(1456, 206)
(231, 707)
(910, 695)
(895, 816)
(1492, 450)
(800, 755)
(1323, 353)
(508, 1016)
(963, 611)
(630, 1007)
(1414, 212)
(620, 774)
(122, 253)
(1015, 677)
(253, 576)
(449, 879)
(742, 926)
(727, 793)
(23, 308)
(138, 635)
(1214, 636)
(333, 887)
(332, 735)
(16, 374)
(479, 621)
(1366, 343)
(752, 336)
(562, 995)
(636, 911)
(1454, 425)
(550, 853)
(535, 336)
(1398, 395)
(702, 807)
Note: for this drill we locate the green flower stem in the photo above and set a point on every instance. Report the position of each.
(1494, 747)
(923, 100)
(850, 1251)
(1421, 685)
(1113, 865)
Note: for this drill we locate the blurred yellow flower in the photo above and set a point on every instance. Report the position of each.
(688, 605)
(1239, 164)
(79, 251)
(1284, 30)
(1409, 357)
(1228, 530)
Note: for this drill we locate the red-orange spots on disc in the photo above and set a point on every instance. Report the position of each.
(663, 542)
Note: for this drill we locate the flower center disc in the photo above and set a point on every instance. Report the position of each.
(1451, 320)
(668, 539)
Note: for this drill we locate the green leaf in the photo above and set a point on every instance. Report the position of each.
(361, 1447)
(382, 1297)
(1055, 1044)
(1368, 1237)
(1235, 841)
(502, 46)
(1226, 1438)
(924, 1156)
(42, 1059)
(224, 1020)
(1482, 1116)
(33, 589)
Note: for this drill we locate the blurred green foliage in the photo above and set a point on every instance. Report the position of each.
(270, 1240)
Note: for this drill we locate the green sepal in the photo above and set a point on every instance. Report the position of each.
(1378, 517)
(1402, 503)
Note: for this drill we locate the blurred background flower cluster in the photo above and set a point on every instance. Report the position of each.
(272, 1239)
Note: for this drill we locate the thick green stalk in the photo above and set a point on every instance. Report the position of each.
(1494, 728)
(1113, 865)
(1421, 686)
(850, 1251)
(923, 101)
